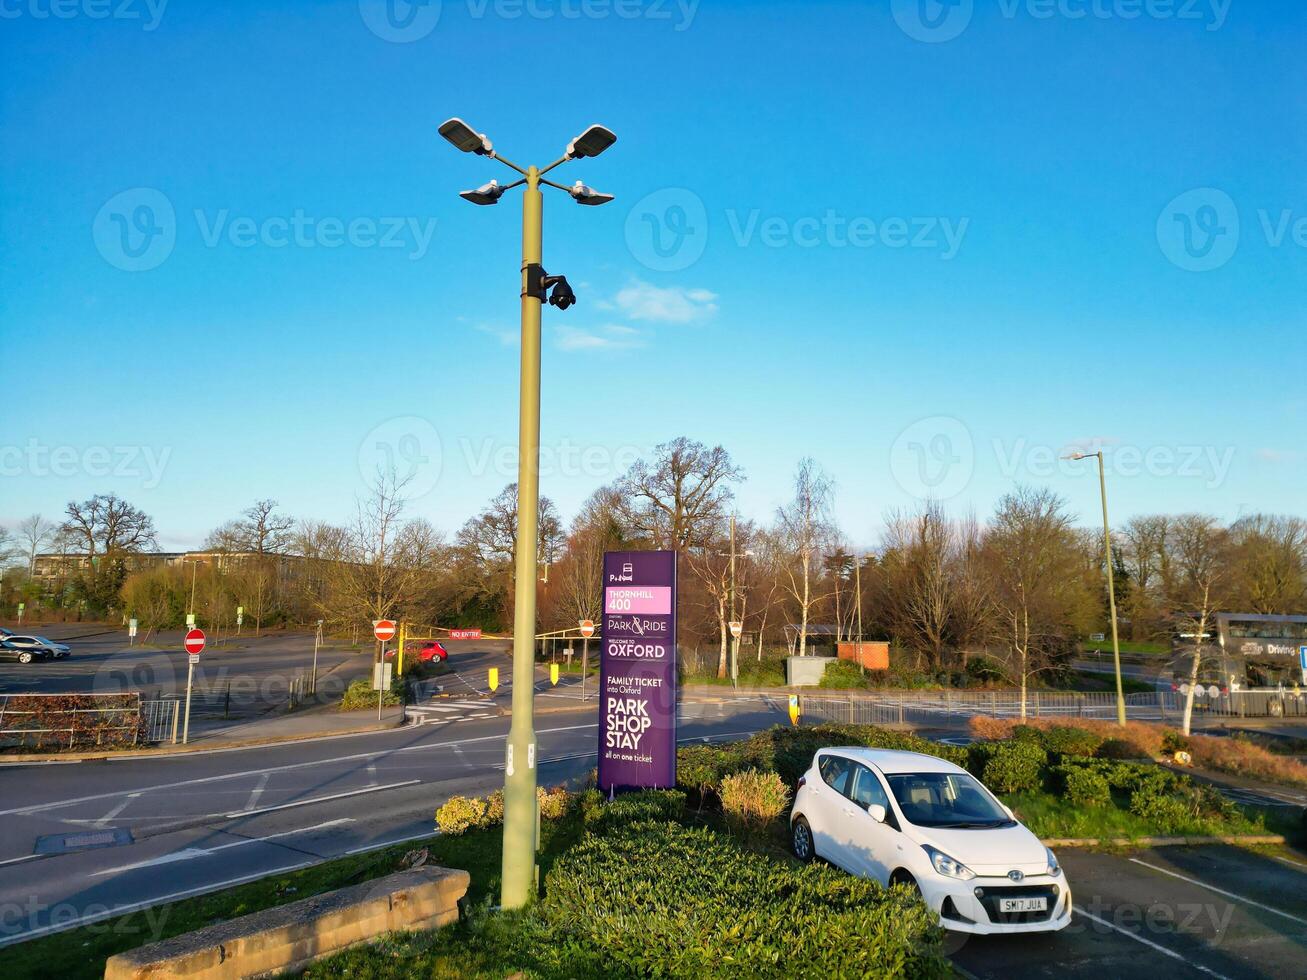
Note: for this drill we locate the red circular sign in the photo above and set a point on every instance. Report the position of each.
(587, 628)
(194, 641)
(383, 629)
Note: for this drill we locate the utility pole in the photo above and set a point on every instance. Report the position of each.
(521, 810)
(735, 640)
(857, 585)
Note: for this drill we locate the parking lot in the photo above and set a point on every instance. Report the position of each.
(1212, 911)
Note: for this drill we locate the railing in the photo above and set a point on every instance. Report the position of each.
(65, 721)
(159, 719)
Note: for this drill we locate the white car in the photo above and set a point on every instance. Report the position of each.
(912, 818)
(55, 651)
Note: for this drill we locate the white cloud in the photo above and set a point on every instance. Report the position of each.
(507, 337)
(644, 301)
(611, 337)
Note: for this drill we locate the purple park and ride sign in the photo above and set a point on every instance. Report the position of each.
(637, 672)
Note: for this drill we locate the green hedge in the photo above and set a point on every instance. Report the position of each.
(1015, 766)
(661, 899)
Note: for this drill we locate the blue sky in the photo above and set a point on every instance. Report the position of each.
(932, 252)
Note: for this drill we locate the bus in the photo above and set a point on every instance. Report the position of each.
(1254, 658)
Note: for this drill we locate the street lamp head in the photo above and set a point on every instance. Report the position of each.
(1079, 455)
(591, 143)
(485, 194)
(465, 137)
(588, 195)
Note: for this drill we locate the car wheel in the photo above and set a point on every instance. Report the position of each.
(901, 877)
(801, 840)
(24, 657)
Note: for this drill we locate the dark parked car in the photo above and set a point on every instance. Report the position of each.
(22, 655)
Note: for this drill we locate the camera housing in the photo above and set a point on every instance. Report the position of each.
(539, 283)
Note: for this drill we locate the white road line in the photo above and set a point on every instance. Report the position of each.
(320, 799)
(19, 860)
(379, 753)
(1222, 891)
(189, 853)
(104, 821)
(1296, 864)
(130, 907)
(1151, 945)
(372, 774)
(397, 840)
(258, 791)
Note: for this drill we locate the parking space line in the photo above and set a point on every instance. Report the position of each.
(1151, 945)
(1222, 891)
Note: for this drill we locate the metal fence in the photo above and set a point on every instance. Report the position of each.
(63, 721)
(159, 719)
(950, 707)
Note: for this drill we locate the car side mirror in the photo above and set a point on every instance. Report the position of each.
(877, 812)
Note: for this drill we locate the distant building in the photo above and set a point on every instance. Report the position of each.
(51, 567)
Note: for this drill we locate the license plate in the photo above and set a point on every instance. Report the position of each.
(1023, 904)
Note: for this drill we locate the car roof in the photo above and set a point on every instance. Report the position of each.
(895, 761)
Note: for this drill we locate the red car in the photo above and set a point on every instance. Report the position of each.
(429, 651)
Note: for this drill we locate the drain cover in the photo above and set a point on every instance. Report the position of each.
(61, 843)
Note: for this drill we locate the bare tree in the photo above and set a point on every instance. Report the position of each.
(1270, 563)
(918, 554)
(1200, 555)
(1142, 546)
(680, 499)
(804, 528)
(104, 529)
(33, 532)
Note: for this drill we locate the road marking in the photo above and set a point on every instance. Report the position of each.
(130, 907)
(397, 840)
(1222, 891)
(189, 853)
(257, 791)
(372, 774)
(379, 753)
(20, 860)
(104, 821)
(321, 799)
(1151, 945)
(1296, 864)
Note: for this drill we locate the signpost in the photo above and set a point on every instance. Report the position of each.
(1302, 662)
(383, 630)
(131, 632)
(381, 678)
(317, 642)
(21, 607)
(587, 628)
(736, 629)
(240, 618)
(194, 644)
(795, 710)
(637, 672)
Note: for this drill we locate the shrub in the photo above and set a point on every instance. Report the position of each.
(665, 900)
(1085, 787)
(1243, 758)
(650, 804)
(1173, 742)
(984, 670)
(460, 814)
(788, 751)
(1064, 740)
(554, 803)
(1146, 738)
(494, 809)
(700, 768)
(1009, 767)
(843, 674)
(752, 800)
(360, 695)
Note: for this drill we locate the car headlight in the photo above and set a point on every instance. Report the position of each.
(1054, 869)
(947, 866)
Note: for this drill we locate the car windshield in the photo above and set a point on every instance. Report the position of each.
(946, 799)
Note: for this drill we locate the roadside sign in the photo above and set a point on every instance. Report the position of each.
(1302, 662)
(382, 674)
(1213, 691)
(240, 611)
(794, 709)
(553, 673)
(473, 634)
(383, 629)
(194, 658)
(737, 629)
(195, 644)
(1097, 637)
(493, 678)
(131, 627)
(190, 621)
(21, 607)
(587, 628)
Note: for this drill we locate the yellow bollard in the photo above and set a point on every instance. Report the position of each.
(553, 673)
(794, 709)
(494, 678)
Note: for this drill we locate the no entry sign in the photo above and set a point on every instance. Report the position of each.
(637, 677)
(587, 628)
(383, 630)
(194, 642)
(465, 634)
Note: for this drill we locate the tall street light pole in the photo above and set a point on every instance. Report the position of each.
(1111, 582)
(521, 817)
